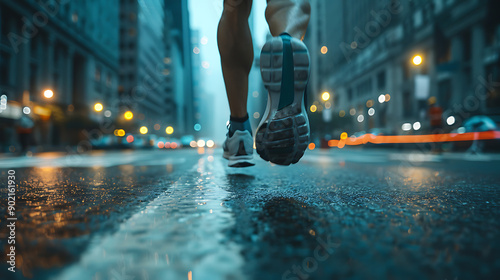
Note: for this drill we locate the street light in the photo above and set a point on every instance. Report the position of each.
(143, 130)
(128, 115)
(417, 60)
(48, 94)
(325, 96)
(98, 107)
(169, 130)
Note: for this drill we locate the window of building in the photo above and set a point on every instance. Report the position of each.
(406, 70)
(443, 50)
(34, 81)
(132, 32)
(108, 80)
(4, 64)
(493, 97)
(407, 105)
(466, 39)
(492, 33)
(349, 94)
(444, 94)
(98, 73)
(381, 80)
(74, 17)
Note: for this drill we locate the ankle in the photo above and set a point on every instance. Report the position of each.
(240, 119)
(241, 124)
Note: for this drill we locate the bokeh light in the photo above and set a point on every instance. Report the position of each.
(98, 107)
(417, 60)
(169, 130)
(371, 112)
(128, 115)
(48, 93)
(201, 143)
(325, 96)
(210, 143)
(381, 98)
(450, 120)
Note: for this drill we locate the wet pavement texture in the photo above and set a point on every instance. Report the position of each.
(183, 214)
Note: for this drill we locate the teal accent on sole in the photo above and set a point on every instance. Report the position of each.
(287, 81)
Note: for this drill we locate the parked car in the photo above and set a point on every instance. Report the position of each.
(478, 124)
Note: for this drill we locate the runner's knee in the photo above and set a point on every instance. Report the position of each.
(242, 7)
(275, 6)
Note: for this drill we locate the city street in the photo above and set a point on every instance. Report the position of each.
(183, 214)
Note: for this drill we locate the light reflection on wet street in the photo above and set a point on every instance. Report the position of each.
(180, 214)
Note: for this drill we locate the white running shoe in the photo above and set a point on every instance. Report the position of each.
(283, 134)
(238, 149)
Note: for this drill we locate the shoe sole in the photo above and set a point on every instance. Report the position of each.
(239, 161)
(283, 134)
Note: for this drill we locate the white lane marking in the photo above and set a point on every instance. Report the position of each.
(181, 230)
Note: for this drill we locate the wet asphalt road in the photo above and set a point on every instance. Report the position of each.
(338, 214)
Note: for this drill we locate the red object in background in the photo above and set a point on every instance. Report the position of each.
(323, 143)
(436, 116)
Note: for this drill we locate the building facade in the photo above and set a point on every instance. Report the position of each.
(144, 66)
(68, 47)
(395, 56)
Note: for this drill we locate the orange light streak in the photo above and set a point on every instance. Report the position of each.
(407, 139)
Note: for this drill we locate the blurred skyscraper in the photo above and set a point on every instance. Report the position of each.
(67, 47)
(180, 53)
(143, 63)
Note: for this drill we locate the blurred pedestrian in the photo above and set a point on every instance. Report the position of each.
(24, 131)
(436, 122)
(283, 134)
